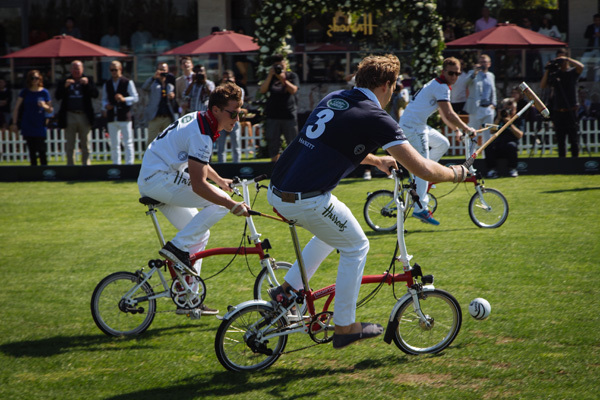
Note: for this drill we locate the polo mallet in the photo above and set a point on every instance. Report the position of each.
(533, 100)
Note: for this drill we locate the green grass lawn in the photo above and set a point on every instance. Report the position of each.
(539, 271)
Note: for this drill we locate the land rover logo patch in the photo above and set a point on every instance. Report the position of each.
(338, 104)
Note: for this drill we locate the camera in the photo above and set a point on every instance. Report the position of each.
(164, 74)
(554, 65)
(200, 77)
(505, 112)
(278, 68)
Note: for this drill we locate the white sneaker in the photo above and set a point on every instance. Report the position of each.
(367, 175)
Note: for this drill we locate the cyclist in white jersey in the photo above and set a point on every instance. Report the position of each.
(175, 170)
(430, 143)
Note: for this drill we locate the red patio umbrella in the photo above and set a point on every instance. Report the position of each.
(64, 46)
(217, 42)
(505, 36)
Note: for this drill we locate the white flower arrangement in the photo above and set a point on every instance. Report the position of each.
(275, 18)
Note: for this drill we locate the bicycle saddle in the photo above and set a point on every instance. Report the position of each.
(149, 201)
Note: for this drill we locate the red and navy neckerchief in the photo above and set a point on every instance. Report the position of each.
(442, 79)
(213, 124)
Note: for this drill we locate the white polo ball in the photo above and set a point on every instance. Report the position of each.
(480, 308)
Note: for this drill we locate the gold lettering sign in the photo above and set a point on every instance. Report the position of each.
(365, 27)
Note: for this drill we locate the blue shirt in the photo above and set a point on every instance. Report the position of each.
(33, 121)
(341, 131)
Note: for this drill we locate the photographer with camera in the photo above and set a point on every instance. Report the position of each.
(561, 75)
(281, 109)
(196, 95)
(159, 111)
(507, 144)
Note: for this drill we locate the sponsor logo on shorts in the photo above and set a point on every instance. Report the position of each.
(328, 213)
(338, 104)
(181, 178)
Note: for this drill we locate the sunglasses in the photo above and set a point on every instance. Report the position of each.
(235, 114)
(452, 73)
(35, 78)
(113, 70)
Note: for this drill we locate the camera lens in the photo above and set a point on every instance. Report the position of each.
(278, 68)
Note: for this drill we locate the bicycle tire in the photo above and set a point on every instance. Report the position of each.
(492, 216)
(234, 339)
(442, 311)
(433, 203)
(380, 211)
(108, 308)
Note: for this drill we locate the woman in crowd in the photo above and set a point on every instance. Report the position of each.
(30, 113)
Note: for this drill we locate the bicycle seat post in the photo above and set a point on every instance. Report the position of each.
(152, 213)
(298, 251)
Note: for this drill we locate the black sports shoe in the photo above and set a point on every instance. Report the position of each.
(278, 295)
(179, 257)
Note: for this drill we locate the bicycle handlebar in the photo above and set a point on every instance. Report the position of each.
(236, 181)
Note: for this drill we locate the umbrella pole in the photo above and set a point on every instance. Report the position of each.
(12, 70)
(53, 70)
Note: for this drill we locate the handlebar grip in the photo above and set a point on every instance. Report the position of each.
(260, 178)
(252, 212)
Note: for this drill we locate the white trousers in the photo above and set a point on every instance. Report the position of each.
(115, 130)
(430, 144)
(180, 206)
(334, 227)
(484, 115)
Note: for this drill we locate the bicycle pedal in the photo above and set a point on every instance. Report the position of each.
(195, 314)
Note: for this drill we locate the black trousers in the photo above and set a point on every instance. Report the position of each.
(37, 149)
(566, 126)
(507, 150)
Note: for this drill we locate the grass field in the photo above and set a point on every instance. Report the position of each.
(540, 272)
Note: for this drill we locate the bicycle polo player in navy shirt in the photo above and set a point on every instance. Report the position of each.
(340, 134)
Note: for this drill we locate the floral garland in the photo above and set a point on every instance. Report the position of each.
(419, 19)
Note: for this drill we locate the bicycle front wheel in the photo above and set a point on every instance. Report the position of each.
(443, 319)
(380, 211)
(117, 315)
(238, 342)
(488, 209)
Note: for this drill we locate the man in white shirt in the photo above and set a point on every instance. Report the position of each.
(175, 170)
(118, 95)
(430, 143)
(485, 22)
(182, 82)
(481, 103)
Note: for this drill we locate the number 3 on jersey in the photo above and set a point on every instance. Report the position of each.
(317, 129)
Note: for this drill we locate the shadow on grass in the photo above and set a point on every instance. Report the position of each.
(571, 190)
(272, 381)
(61, 344)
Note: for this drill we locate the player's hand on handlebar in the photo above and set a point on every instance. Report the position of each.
(388, 163)
(225, 184)
(240, 209)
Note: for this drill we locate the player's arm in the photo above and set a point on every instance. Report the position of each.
(452, 119)
(199, 172)
(424, 168)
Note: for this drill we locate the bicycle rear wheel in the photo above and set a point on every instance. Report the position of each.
(444, 318)
(380, 211)
(488, 210)
(116, 315)
(237, 343)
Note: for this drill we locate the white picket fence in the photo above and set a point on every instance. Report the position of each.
(13, 147)
(534, 143)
